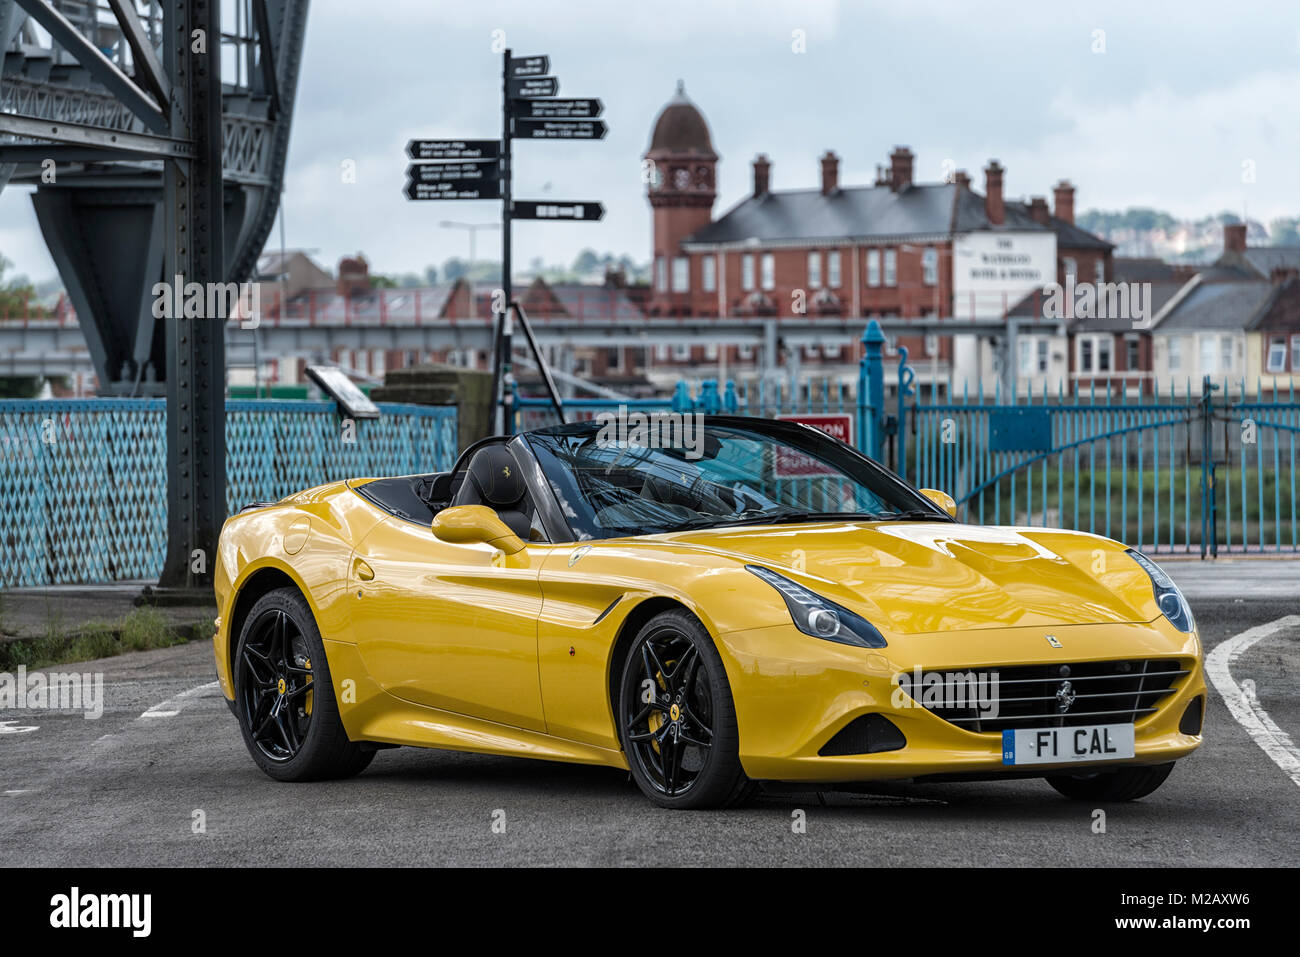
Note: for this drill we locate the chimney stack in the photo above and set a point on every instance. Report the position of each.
(1282, 274)
(1234, 238)
(900, 169)
(1063, 200)
(830, 173)
(993, 207)
(1038, 211)
(961, 178)
(762, 175)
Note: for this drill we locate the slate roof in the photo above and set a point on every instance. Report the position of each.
(873, 213)
(1226, 306)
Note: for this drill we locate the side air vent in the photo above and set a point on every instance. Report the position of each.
(867, 734)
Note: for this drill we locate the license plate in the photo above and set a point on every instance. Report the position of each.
(1095, 742)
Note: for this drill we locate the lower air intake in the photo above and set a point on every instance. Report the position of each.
(868, 734)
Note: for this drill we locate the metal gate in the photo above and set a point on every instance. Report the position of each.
(1186, 471)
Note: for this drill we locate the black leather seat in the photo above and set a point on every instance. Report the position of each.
(493, 478)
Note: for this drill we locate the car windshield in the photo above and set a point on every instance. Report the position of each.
(713, 476)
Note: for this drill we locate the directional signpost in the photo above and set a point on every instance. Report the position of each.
(517, 87)
(425, 150)
(452, 169)
(561, 129)
(535, 209)
(559, 109)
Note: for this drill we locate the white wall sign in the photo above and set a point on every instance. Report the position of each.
(992, 271)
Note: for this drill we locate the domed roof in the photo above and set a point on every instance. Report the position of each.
(681, 128)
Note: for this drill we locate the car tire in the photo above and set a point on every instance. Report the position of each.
(682, 747)
(1126, 784)
(284, 698)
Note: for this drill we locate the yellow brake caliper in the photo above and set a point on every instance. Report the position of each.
(656, 719)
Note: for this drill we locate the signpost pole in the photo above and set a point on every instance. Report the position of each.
(506, 375)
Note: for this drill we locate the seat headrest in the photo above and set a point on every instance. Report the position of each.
(496, 476)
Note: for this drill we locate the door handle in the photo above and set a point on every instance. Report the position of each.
(363, 571)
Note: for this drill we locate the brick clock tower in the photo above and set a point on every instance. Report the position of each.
(681, 186)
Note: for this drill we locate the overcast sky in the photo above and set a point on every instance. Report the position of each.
(1183, 95)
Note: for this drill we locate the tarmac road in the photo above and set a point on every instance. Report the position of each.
(130, 789)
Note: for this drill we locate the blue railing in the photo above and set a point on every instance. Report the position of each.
(1192, 468)
(83, 482)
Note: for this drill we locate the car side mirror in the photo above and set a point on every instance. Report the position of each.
(942, 499)
(475, 524)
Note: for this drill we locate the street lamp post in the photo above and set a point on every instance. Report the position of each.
(472, 229)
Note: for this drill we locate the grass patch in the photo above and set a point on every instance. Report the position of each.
(141, 630)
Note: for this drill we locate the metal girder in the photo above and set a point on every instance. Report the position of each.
(97, 65)
(146, 61)
(193, 209)
(266, 54)
(39, 153)
(58, 131)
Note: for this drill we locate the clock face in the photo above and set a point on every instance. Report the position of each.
(702, 177)
(681, 179)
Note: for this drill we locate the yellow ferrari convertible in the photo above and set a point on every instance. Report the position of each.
(746, 601)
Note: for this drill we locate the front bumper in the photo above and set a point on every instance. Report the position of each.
(793, 693)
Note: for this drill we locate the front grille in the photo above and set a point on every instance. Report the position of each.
(1032, 696)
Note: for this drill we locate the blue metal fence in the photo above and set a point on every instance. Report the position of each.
(1195, 468)
(83, 483)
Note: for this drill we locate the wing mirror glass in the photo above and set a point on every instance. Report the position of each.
(942, 499)
(475, 524)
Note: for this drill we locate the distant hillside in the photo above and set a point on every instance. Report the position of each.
(1151, 232)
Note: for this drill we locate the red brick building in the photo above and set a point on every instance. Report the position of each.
(896, 248)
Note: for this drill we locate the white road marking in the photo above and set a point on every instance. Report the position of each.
(12, 727)
(172, 706)
(1275, 742)
(17, 792)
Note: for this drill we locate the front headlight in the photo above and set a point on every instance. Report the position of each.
(1169, 599)
(818, 617)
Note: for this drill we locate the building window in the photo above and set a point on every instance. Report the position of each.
(1207, 355)
(1132, 355)
(1042, 354)
(833, 268)
(1071, 267)
(831, 350)
(681, 274)
(661, 274)
(613, 359)
(709, 274)
(1295, 353)
(661, 353)
(931, 344)
(930, 267)
(1103, 353)
(814, 270)
(891, 267)
(1025, 347)
(747, 272)
(1175, 354)
(711, 352)
(873, 267)
(1085, 354)
(1099, 271)
(745, 351)
(1276, 360)
(769, 271)
(682, 351)
(1225, 352)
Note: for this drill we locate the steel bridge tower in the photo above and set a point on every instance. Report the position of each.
(155, 134)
